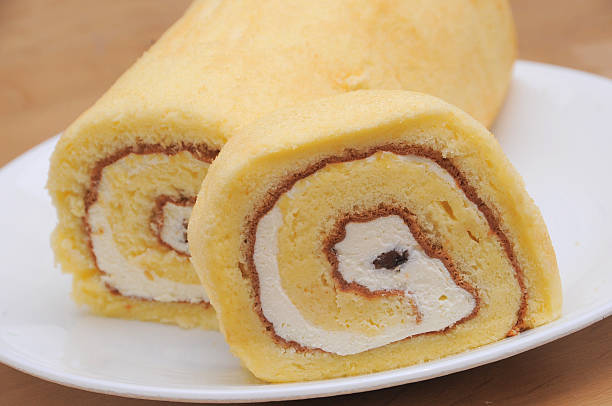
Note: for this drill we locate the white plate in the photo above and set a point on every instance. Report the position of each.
(555, 128)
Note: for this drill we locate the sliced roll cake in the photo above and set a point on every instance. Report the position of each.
(125, 175)
(368, 231)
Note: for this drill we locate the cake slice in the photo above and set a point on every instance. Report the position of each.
(368, 231)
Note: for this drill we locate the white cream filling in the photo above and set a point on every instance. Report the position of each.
(173, 231)
(128, 278)
(440, 301)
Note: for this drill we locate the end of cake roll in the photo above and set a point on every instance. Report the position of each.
(123, 178)
(123, 190)
(365, 232)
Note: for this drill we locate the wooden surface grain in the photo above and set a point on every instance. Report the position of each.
(56, 59)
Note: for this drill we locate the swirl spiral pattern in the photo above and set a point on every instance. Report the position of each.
(365, 232)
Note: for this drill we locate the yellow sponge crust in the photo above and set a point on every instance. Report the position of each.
(318, 200)
(188, 88)
(288, 140)
(100, 301)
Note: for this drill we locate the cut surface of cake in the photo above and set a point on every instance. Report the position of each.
(365, 232)
(124, 176)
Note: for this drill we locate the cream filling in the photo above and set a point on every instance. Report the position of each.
(440, 301)
(173, 231)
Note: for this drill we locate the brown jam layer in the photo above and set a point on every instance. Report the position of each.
(431, 248)
(157, 218)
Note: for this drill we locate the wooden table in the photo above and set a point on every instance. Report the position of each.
(56, 59)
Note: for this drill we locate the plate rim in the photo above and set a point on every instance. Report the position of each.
(331, 387)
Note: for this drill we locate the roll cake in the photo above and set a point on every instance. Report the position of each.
(368, 231)
(125, 174)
